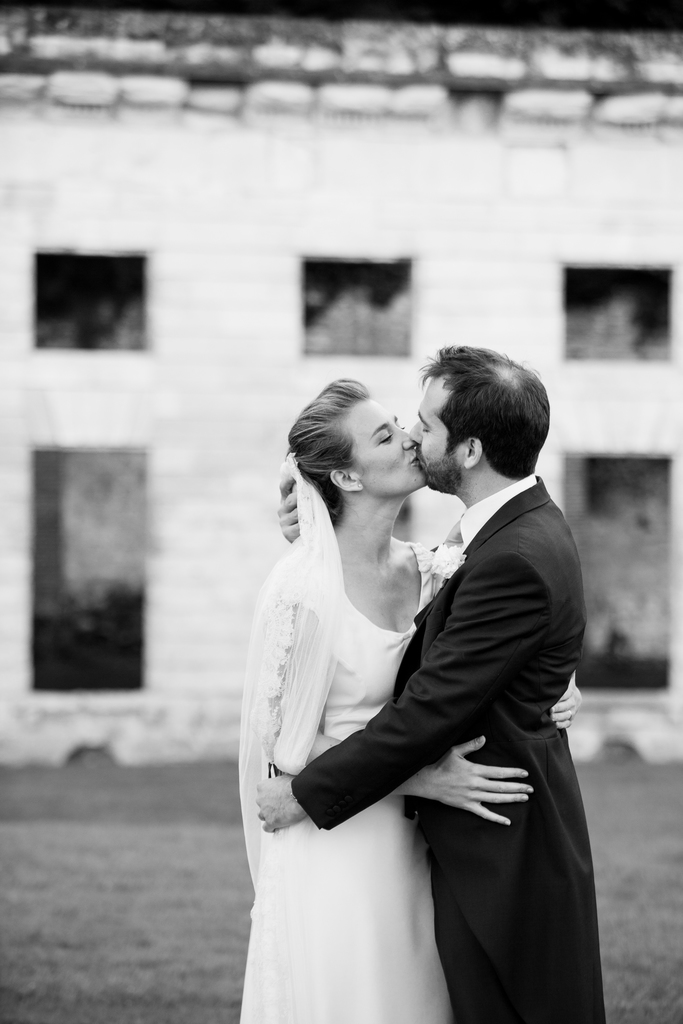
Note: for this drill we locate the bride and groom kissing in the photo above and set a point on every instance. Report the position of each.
(385, 892)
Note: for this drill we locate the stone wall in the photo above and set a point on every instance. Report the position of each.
(226, 151)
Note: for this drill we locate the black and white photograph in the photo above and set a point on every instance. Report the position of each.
(341, 512)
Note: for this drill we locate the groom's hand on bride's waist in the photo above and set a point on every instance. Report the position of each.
(278, 807)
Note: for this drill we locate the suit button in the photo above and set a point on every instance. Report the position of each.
(336, 809)
(330, 812)
(348, 799)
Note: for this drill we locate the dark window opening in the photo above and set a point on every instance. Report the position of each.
(617, 313)
(357, 307)
(619, 512)
(88, 569)
(90, 302)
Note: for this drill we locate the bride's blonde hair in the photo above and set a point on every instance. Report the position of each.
(320, 443)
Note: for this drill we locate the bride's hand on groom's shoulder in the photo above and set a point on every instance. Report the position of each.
(457, 782)
(288, 513)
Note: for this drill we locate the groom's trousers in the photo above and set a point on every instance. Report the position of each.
(475, 990)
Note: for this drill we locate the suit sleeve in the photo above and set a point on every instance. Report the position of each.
(497, 621)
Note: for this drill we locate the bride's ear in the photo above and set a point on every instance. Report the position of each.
(346, 480)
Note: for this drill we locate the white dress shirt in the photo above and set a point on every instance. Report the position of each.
(477, 515)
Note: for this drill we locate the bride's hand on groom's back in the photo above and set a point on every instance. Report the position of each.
(457, 782)
(288, 513)
(460, 783)
(569, 703)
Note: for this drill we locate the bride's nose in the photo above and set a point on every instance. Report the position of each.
(407, 441)
(416, 434)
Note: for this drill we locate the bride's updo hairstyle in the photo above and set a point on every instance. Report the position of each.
(320, 443)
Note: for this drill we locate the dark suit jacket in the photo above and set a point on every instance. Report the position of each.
(491, 655)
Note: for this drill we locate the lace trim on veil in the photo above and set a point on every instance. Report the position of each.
(290, 589)
(291, 657)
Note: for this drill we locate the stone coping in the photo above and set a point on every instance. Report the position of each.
(525, 114)
(239, 50)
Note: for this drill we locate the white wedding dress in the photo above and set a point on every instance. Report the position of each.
(343, 922)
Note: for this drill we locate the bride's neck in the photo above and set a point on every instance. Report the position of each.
(364, 533)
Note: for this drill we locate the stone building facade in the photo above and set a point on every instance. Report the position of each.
(257, 186)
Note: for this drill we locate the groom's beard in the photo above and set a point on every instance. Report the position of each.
(442, 475)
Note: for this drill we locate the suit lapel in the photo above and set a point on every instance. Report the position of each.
(530, 499)
(423, 613)
(410, 661)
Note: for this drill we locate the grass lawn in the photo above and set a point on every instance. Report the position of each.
(124, 893)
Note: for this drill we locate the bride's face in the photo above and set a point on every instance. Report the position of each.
(385, 460)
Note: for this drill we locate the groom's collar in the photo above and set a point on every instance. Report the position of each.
(530, 498)
(477, 516)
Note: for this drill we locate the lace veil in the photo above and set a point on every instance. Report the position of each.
(291, 657)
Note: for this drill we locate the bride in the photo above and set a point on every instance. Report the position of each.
(342, 926)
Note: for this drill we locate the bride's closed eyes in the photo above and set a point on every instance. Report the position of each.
(391, 433)
(390, 437)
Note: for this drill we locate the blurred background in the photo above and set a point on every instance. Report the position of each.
(207, 212)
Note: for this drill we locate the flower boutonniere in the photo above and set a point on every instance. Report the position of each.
(443, 562)
(447, 559)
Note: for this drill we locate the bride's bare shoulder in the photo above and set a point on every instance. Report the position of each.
(406, 551)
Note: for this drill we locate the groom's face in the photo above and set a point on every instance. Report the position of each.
(442, 468)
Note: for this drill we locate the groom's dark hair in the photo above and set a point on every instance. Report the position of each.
(495, 399)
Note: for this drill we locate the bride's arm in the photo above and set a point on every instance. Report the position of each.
(321, 742)
(454, 780)
(461, 783)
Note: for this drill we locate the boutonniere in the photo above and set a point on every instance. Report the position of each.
(443, 562)
(447, 559)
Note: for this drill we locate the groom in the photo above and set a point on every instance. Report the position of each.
(516, 921)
